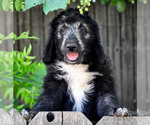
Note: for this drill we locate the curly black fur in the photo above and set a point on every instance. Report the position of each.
(102, 101)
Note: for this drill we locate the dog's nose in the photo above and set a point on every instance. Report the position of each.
(71, 47)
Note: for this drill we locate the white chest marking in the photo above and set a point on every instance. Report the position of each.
(77, 78)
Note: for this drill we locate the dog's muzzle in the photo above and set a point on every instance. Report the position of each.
(72, 51)
(72, 55)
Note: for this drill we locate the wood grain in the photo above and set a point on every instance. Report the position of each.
(143, 57)
(17, 119)
(5, 118)
(124, 121)
(75, 118)
(41, 119)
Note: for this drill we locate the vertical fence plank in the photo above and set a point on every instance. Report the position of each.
(15, 28)
(148, 56)
(114, 47)
(37, 30)
(9, 29)
(17, 119)
(102, 20)
(141, 67)
(75, 118)
(134, 33)
(143, 58)
(6, 21)
(5, 118)
(24, 25)
(127, 58)
(2, 29)
(47, 20)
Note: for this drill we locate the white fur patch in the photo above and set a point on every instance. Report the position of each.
(77, 78)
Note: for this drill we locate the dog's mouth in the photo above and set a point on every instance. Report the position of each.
(72, 56)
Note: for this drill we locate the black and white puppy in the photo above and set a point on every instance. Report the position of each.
(78, 72)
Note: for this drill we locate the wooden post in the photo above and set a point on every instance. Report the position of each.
(5, 118)
(17, 119)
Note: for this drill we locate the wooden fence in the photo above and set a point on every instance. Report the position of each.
(119, 37)
(67, 118)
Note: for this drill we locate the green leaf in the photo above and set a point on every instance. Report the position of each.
(25, 35)
(8, 107)
(121, 5)
(113, 2)
(30, 57)
(29, 49)
(51, 5)
(104, 1)
(18, 5)
(19, 107)
(26, 63)
(19, 57)
(6, 4)
(35, 78)
(132, 1)
(11, 36)
(32, 3)
(7, 92)
(1, 36)
(24, 51)
(11, 7)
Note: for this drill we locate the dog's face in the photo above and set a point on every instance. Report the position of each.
(74, 39)
(71, 40)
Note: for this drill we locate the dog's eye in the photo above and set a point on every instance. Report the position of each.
(82, 28)
(62, 30)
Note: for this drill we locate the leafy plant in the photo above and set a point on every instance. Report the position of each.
(51, 5)
(20, 74)
(14, 37)
(28, 78)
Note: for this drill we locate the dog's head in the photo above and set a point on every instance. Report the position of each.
(73, 38)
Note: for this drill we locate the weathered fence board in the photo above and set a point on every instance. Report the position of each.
(67, 118)
(17, 119)
(6, 21)
(143, 56)
(75, 118)
(124, 121)
(5, 118)
(127, 58)
(41, 119)
(114, 44)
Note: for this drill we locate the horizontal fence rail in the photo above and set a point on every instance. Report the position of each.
(67, 118)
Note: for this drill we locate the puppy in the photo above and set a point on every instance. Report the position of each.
(78, 72)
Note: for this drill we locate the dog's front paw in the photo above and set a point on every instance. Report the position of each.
(27, 114)
(122, 112)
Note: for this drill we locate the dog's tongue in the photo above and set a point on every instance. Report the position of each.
(72, 56)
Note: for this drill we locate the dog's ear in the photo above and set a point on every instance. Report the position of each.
(49, 49)
(100, 52)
